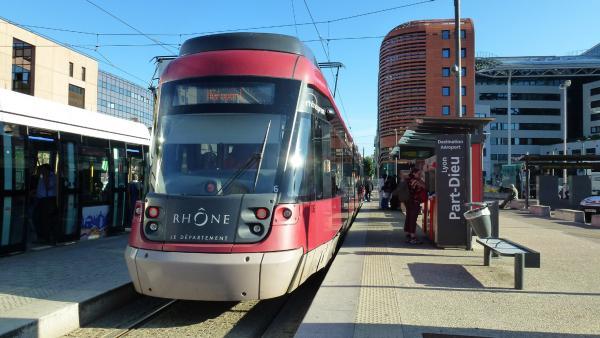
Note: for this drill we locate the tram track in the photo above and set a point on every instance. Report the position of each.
(141, 321)
(148, 316)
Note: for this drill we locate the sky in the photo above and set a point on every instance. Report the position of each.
(502, 28)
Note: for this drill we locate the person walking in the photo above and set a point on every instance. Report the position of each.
(368, 189)
(387, 189)
(417, 195)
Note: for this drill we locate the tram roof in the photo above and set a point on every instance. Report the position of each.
(40, 113)
(246, 40)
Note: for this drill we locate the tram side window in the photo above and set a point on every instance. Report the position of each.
(300, 183)
(93, 174)
(326, 160)
(337, 166)
(317, 151)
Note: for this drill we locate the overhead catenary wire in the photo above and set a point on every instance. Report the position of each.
(328, 59)
(130, 26)
(176, 44)
(109, 62)
(295, 24)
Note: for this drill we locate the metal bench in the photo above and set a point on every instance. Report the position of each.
(524, 257)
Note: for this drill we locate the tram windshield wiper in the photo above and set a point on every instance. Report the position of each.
(249, 162)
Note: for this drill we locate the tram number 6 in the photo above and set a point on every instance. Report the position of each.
(275, 188)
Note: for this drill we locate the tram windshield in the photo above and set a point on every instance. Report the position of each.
(209, 140)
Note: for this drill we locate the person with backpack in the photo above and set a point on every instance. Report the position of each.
(417, 194)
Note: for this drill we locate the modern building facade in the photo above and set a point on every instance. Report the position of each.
(537, 116)
(591, 111)
(37, 66)
(121, 98)
(416, 78)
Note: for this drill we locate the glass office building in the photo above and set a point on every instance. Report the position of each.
(121, 98)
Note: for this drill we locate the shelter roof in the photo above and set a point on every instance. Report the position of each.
(424, 131)
(562, 161)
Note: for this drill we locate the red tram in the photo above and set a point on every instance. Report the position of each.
(253, 176)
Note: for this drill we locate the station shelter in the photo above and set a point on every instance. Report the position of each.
(545, 170)
(450, 152)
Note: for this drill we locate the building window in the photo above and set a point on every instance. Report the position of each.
(445, 35)
(463, 71)
(22, 67)
(463, 34)
(76, 96)
(445, 110)
(446, 53)
(71, 69)
(464, 110)
(445, 91)
(463, 53)
(590, 151)
(445, 72)
(82, 73)
(463, 91)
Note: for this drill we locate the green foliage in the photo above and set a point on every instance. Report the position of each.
(369, 166)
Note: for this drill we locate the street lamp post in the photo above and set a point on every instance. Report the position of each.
(564, 87)
(398, 154)
(508, 115)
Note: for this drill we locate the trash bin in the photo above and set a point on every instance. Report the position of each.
(479, 219)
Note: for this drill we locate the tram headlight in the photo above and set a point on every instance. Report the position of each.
(153, 226)
(256, 229)
(286, 213)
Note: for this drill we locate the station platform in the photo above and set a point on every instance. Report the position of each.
(381, 286)
(50, 292)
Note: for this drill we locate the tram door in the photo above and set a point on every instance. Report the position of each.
(119, 187)
(135, 179)
(42, 208)
(69, 187)
(13, 199)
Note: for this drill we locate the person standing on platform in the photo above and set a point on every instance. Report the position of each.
(46, 206)
(418, 193)
(134, 189)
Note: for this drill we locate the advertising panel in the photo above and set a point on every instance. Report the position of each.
(93, 221)
(452, 187)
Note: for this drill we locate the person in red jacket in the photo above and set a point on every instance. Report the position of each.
(418, 194)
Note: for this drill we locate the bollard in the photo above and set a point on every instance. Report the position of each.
(495, 218)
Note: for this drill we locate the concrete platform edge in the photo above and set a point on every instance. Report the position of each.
(73, 315)
(337, 305)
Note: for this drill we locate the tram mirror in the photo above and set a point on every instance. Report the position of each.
(330, 113)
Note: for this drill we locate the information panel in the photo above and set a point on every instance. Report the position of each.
(452, 188)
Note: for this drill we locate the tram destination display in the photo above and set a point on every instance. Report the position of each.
(452, 152)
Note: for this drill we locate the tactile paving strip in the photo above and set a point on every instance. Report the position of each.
(378, 312)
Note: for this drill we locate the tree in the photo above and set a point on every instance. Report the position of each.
(369, 166)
